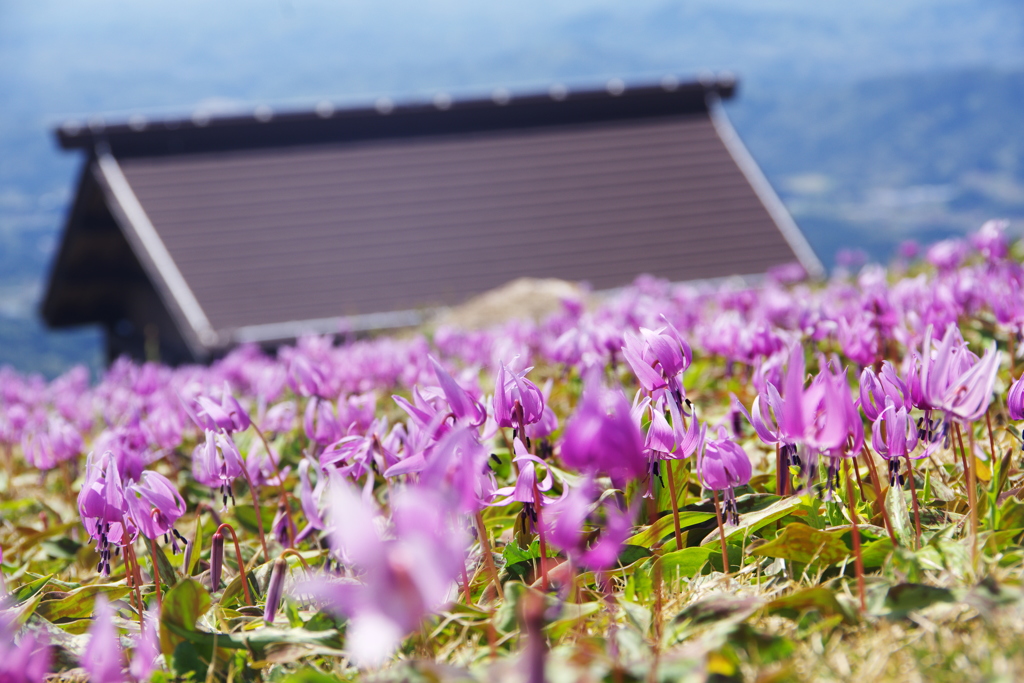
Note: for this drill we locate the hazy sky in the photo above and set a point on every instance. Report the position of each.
(74, 56)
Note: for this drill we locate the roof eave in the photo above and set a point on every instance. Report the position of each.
(765, 192)
(163, 272)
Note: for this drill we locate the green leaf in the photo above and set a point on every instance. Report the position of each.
(168, 574)
(1011, 514)
(572, 614)
(685, 563)
(875, 553)
(899, 517)
(184, 603)
(246, 516)
(63, 547)
(718, 608)
(631, 553)
(806, 545)
(78, 604)
(26, 591)
(664, 528)
(186, 661)
(752, 521)
(816, 598)
(192, 552)
(904, 598)
(265, 644)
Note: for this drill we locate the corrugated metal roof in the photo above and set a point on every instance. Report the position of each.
(300, 233)
(258, 227)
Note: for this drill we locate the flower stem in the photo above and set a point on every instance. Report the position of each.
(879, 501)
(972, 494)
(238, 558)
(541, 540)
(485, 548)
(259, 513)
(857, 558)
(721, 534)
(913, 498)
(675, 505)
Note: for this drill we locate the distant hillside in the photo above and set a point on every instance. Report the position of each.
(910, 157)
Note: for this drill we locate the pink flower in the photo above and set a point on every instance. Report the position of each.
(602, 436)
(102, 657)
(517, 401)
(722, 466)
(401, 577)
(28, 661)
(216, 462)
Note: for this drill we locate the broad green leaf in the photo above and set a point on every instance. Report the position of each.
(184, 603)
(752, 521)
(246, 516)
(168, 574)
(265, 644)
(1011, 514)
(719, 608)
(572, 614)
(803, 544)
(26, 591)
(78, 604)
(875, 553)
(904, 598)
(191, 554)
(815, 598)
(685, 563)
(650, 535)
(631, 553)
(899, 517)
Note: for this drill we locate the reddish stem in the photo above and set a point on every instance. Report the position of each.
(238, 558)
(675, 505)
(259, 513)
(485, 548)
(721, 534)
(879, 501)
(857, 558)
(913, 498)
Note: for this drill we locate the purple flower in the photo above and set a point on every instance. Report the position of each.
(155, 505)
(875, 389)
(564, 524)
(102, 657)
(991, 241)
(602, 436)
(465, 408)
(227, 416)
(304, 377)
(102, 506)
(517, 401)
(658, 358)
(528, 489)
(321, 422)
(216, 463)
(309, 497)
(147, 647)
(955, 380)
(1015, 400)
(28, 661)
(900, 435)
(401, 577)
(722, 466)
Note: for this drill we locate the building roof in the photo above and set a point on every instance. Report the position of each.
(265, 226)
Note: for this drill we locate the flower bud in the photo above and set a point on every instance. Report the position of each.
(275, 589)
(216, 560)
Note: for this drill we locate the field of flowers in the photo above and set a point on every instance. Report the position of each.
(793, 481)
